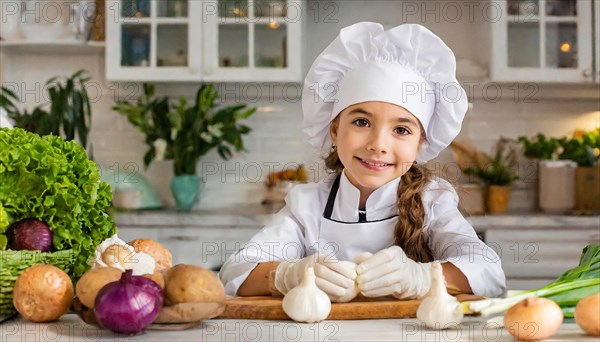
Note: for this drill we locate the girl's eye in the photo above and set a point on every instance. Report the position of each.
(401, 131)
(361, 122)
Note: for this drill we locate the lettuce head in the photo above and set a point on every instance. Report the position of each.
(53, 180)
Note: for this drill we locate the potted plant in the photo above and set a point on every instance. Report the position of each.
(184, 134)
(69, 114)
(471, 194)
(538, 149)
(497, 172)
(584, 149)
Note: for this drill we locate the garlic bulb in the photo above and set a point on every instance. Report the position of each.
(114, 252)
(438, 309)
(306, 302)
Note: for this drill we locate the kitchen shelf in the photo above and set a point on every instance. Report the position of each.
(52, 47)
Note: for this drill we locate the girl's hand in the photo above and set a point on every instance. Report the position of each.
(391, 272)
(334, 277)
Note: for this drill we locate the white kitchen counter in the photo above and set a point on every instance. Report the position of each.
(239, 216)
(534, 221)
(526, 243)
(258, 215)
(71, 329)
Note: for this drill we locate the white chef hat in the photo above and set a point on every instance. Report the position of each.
(407, 66)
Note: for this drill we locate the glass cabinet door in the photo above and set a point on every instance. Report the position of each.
(153, 40)
(548, 37)
(254, 35)
(157, 34)
(542, 33)
(135, 45)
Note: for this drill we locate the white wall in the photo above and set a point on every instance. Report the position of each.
(276, 138)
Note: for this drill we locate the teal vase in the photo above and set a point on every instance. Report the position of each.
(186, 190)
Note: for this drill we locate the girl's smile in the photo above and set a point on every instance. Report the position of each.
(376, 165)
(376, 142)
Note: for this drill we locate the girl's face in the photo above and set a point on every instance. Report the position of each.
(376, 142)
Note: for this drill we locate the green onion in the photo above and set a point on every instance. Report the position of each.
(574, 285)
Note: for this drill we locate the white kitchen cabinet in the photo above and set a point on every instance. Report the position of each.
(531, 257)
(202, 246)
(204, 40)
(542, 40)
(208, 248)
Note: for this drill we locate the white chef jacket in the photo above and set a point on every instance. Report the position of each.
(293, 231)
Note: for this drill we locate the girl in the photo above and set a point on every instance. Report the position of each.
(382, 103)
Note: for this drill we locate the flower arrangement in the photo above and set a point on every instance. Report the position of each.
(184, 133)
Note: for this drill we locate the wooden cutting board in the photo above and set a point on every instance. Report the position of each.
(269, 308)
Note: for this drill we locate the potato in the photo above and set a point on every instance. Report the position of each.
(157, 277)
(43, 293)
(189, 283)
(92, 281)
(161, 255)
(189, 312)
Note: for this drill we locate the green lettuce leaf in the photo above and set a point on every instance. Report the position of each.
(4, 222)
(53, 180)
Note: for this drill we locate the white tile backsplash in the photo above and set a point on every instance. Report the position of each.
(276, 138)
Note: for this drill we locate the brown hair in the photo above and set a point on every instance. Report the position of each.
(411, 214)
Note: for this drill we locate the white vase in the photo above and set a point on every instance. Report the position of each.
(557, 186)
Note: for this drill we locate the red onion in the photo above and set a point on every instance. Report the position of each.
(30, 234)
(129, 305)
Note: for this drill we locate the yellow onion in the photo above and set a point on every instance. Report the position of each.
(533, 319)
(587, 314)
(43, 293)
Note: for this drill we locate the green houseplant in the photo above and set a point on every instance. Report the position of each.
(572, 161)
(496, 172)
(538, 147)
(184, 133)
(69, 114)
(584, 149)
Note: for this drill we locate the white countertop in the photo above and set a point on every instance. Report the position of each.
(258, 215)
(71, 329)
(253, 215)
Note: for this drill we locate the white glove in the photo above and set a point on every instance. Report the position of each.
(334, 277)
(391, 272)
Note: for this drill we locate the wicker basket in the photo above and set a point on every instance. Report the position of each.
(13, 263)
